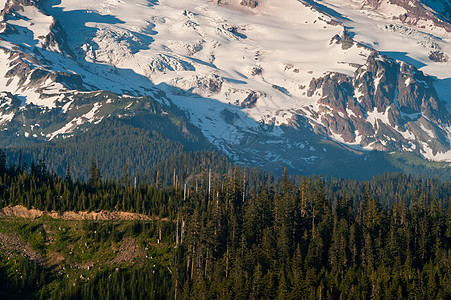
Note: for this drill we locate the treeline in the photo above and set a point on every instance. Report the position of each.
(413, 164)
(238, 235)
(157, 143)
(165, 190)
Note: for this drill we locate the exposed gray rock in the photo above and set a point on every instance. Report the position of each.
(376, 81)
(250, 100)
(249, 3)
(415, 12)
(9, 103)
(352, 107)
(438, 56)
(257, 70)
(416, 93)
(215, 83)
(55, 40)
(22, 68)
(344, 40)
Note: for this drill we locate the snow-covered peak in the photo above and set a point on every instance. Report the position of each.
(347, 70)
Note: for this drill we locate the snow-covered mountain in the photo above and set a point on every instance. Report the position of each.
(268, 82)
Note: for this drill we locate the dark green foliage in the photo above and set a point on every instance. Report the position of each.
(21, 277)
(2, 162)
(113, 143)
(143, 282)
(236, 233)
(27, 279)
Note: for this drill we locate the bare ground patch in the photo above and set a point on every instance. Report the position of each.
(129, 251)
(13, 245)
(23, 212)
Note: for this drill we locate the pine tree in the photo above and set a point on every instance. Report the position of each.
(2, 162)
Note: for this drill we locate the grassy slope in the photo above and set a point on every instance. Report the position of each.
(74, 251)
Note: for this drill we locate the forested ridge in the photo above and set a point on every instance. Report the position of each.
(116, 142)
(238, 233)
(151, 143)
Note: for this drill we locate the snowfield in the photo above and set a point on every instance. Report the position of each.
(236, 71)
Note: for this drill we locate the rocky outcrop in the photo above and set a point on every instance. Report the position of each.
(344, 40)
(54, 41)
(416, 94)
(249, 3)
(250, 100)
(22, 66)
(415, 12)
(17, 5)
(387, 105)
(57, 40)
(376, 82)
(9, 105)
(438, 56)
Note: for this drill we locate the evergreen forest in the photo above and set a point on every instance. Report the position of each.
(223, 232)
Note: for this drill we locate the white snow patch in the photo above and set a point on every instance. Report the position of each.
(427, 131)
(74, 123)
(409, 81)
(377, 81)
(439, 156)
(408, 135)
(2, 4)
(374, 116)
(5, 118)
(91, 114)
(66, 106)
(35, 21)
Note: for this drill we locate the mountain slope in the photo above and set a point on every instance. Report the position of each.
(270, 83)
